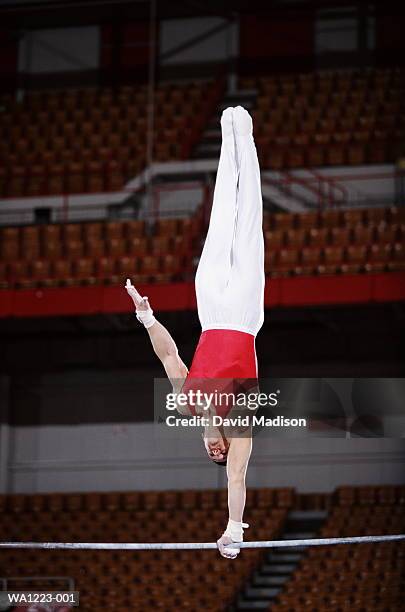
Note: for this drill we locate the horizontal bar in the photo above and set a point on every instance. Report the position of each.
(203, 545)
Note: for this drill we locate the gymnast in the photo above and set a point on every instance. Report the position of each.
(229, 287)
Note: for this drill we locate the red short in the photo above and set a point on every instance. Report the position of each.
(224, 360)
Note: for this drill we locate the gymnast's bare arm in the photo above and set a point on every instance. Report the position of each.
(162, 342)
(238, 458)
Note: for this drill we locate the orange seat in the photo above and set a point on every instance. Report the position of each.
(171, 265)
(316, 156)
(274, 239)
(134, 229)
(308, 220)
(356, 155)
(137, 246)
(331, 218)
(75, 178)
(105, 267)
(74, 249)
(116, 246)
(55, 179)
(92, 231)
(62, 272)
(160, 245)
(51, 249)
(9, 250)
(113, 229)
(286, 262)
(387, 234)
(397, 261)
(310, 260)
(340, 236)
(83, 269)
(295, 238)
(356, 258)
(318, 237)
(363, 234)
(41, 271)
(283, 221)
(167, 227)
(95, 247)
(126, 266)
(72, 231)
(95, 177)
(333, 259)
(19, 273)
(352, 217)
(374, 216)
(150, 265)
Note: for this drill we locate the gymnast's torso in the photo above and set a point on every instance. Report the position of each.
(224, 360)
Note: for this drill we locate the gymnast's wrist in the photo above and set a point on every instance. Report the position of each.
(146, 317)
(234, 530)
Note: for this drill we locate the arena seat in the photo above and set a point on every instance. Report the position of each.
(327, 120)
(79, 141)
(363, 577)
(328, 242)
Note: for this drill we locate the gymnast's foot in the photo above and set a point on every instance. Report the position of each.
(227, 124)
(228, 135)
(242, 122)
(243, 130)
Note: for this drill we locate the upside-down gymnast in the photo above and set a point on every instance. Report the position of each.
(229, 286)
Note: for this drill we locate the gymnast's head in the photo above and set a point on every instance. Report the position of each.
(217, 447)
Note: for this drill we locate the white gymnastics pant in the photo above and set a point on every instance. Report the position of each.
(230, 276)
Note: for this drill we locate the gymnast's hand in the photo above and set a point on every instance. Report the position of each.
(141, 303)
(228, 553)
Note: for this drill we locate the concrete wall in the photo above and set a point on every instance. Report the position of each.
(135, 456)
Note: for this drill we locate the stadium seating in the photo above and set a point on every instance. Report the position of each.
(132, 580)
(101, 252)
(341, 117)
(329, 242)
(335, 242)
(362, 577)
(94, 140)
(353, 577)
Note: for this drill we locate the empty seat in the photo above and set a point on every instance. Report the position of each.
(295, 238)
(41, 272)
(92, 231)
(62, 271)
(355, 259)
(286, 262)
(378, 257)
(126, 266)
(318, 237)
(397, 262)
(134, 229)
(340, 236)
(274, 239)
(83, 270)
(310, 260)
(105, 267)
(333, 259)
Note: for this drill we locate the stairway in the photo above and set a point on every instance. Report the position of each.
(279, 563)
(210, 142)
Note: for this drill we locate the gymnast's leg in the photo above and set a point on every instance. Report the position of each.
(214, 268)
(247, 284)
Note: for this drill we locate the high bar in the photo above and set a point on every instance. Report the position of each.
(203, 545)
